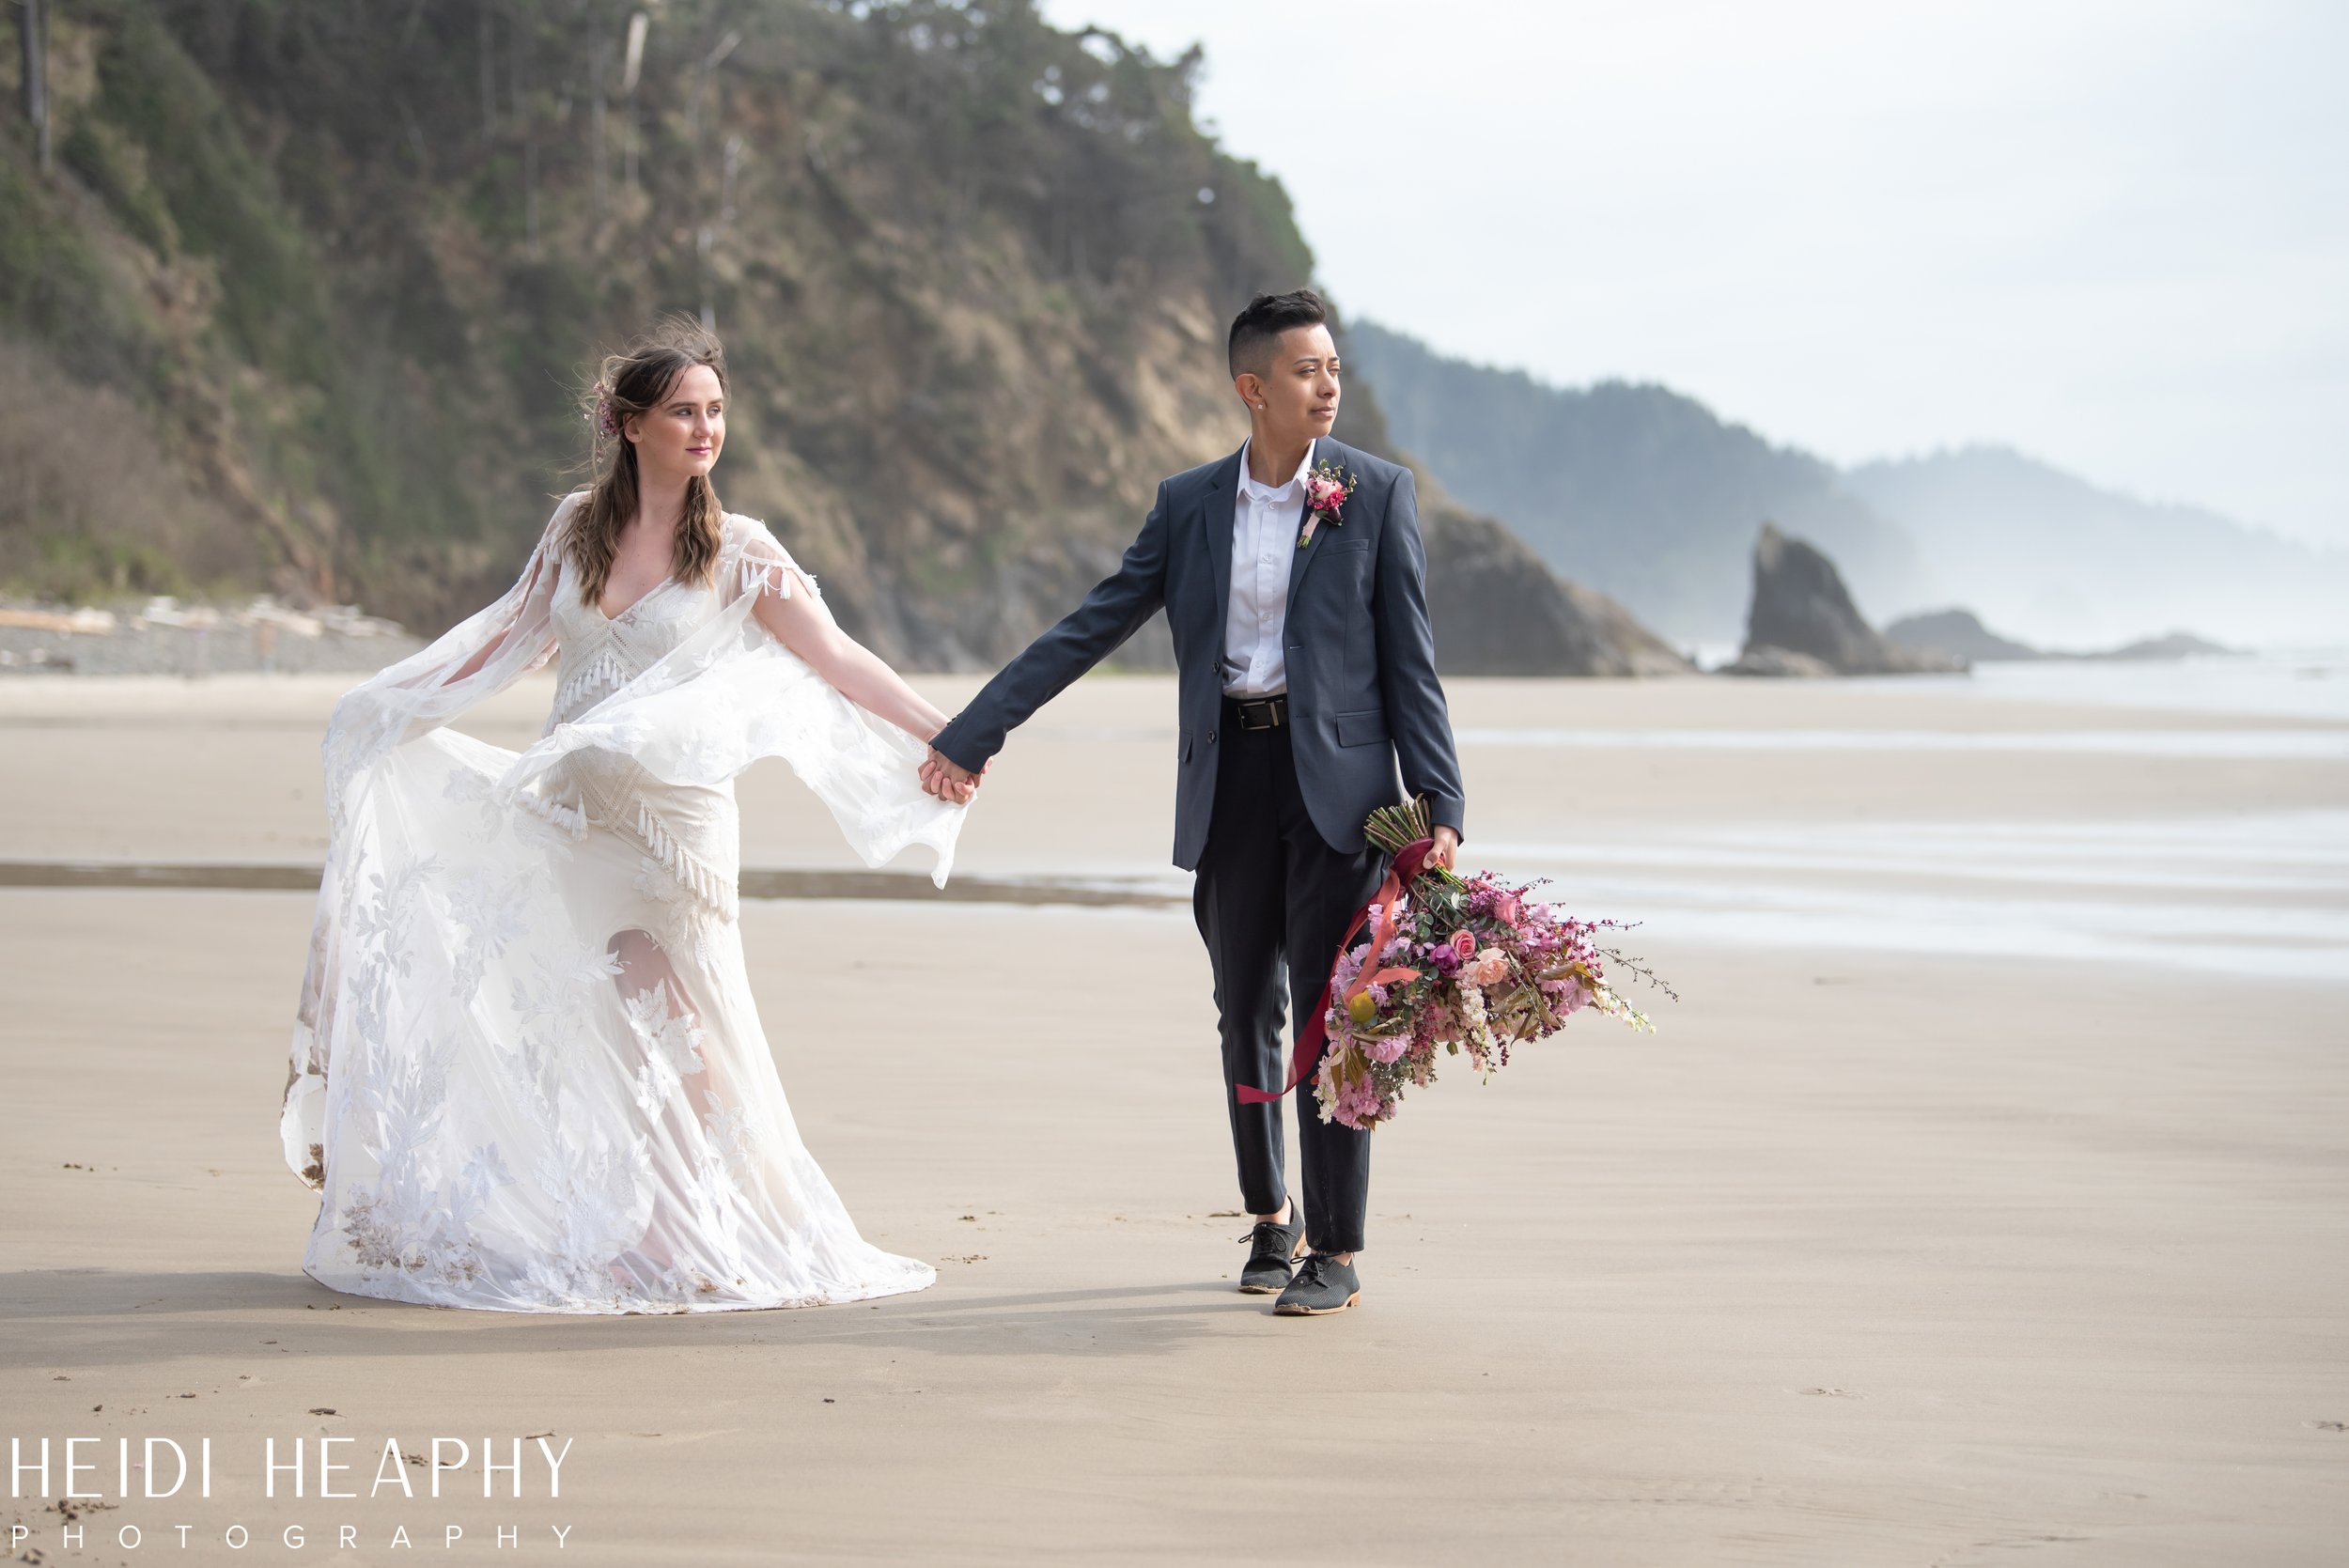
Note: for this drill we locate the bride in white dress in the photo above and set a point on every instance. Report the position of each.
(527, 1072)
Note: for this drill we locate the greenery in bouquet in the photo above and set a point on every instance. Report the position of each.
(1459, 966)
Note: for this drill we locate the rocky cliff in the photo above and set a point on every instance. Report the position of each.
(1499, 610)
(324, 279)
(340, 267)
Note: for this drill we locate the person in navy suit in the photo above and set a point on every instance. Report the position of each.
(1293, 577)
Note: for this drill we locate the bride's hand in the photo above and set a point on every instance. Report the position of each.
(942, 777)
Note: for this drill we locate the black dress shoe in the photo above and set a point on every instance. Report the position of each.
(1270, 1245)
(1323, 1285)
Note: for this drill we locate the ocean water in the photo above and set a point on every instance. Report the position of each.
(2305, 683)
(2259, 895)
(2310, 745)
(2254, 895)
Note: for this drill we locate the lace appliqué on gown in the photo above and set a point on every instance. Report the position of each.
(527, 1071)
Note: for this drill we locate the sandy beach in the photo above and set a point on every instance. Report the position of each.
(1983, 1198)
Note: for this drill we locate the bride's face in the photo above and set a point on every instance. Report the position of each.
(683, 434)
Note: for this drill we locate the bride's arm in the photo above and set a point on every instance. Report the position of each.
(520, 614)
(796, 615)
(538, 575)
(478, 657)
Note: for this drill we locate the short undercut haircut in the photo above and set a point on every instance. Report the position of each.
(1257, 331)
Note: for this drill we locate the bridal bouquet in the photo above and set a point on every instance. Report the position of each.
(1454, 965)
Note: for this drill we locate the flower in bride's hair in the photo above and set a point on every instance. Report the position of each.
(607, 417)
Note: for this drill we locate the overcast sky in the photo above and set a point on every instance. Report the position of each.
(2115, 235)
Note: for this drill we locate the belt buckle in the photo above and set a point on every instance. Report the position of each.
(1260, 713)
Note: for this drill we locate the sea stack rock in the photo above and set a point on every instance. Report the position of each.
(1801, 606)
(1499, 610)
(1958, 633)
(2176, 645)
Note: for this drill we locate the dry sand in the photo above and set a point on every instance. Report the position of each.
(1864, 1259)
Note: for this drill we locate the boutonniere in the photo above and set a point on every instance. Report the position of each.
(1326, 489)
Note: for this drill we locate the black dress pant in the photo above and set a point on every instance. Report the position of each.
(1272, 900)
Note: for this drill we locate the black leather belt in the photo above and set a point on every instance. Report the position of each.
(1258, 713)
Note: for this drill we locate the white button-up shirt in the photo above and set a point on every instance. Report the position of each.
(1264, 520)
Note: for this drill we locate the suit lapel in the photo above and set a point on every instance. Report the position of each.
(1215, 520)
(1324, 451)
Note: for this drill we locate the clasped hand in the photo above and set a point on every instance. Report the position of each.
(950, 780)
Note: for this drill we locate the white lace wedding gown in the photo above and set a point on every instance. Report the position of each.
(527, 1073)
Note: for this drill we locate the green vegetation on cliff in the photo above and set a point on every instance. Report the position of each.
(309, 294)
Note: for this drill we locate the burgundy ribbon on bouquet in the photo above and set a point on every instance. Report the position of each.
(1312, 1033)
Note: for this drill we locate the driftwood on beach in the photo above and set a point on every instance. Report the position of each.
(166, 638)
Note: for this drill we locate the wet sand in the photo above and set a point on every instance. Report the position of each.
(1867, 1258)
(229, 769)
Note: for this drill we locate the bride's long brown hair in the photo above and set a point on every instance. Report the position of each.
(629, 384)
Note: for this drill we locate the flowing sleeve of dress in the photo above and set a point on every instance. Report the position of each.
(474, 660)
(731, 694)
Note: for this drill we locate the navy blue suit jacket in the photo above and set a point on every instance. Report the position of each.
(1363, 697)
